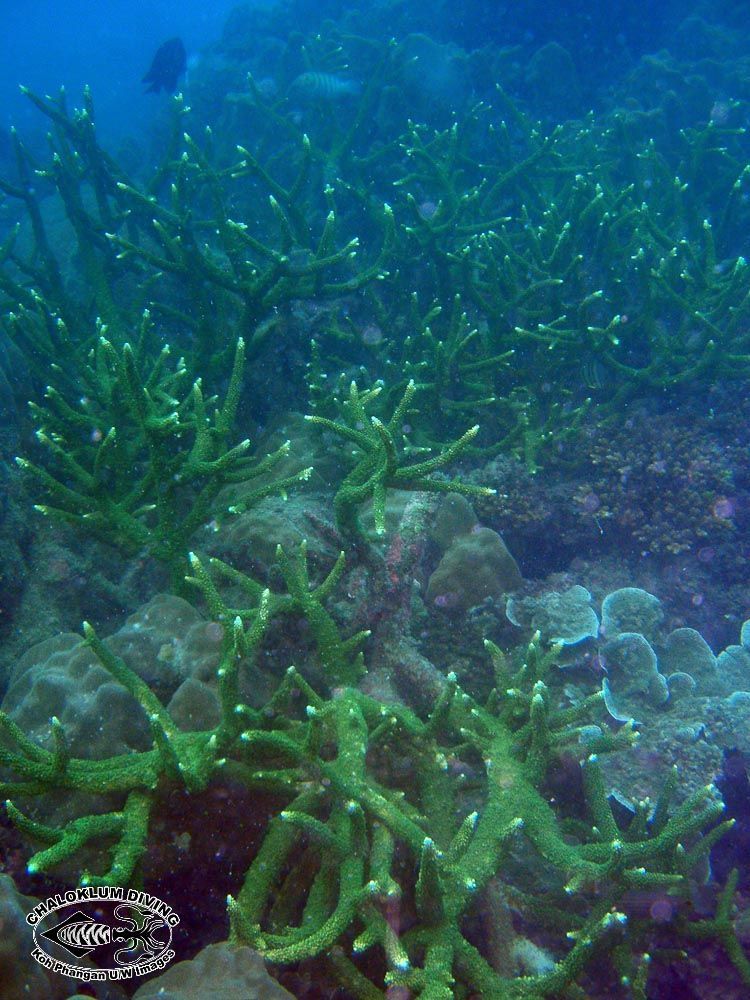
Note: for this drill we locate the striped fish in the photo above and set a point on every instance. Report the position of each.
(314, 86)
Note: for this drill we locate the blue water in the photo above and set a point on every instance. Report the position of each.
(47, 43)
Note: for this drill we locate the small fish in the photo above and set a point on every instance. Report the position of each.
(168, 64)
(594, 375)
(313, 86)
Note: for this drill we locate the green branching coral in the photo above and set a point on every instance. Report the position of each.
(511, 235)
(171, 243)
(253, 269)
(83, 176)
(342, 659)
(530, 244)
(359, 821)
(449, 360)
(352, 846)
(139, 459)
(468, 193)
(378, 464)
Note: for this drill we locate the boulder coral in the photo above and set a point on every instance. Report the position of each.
(476, 564)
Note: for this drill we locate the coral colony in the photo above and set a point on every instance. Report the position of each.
(404, 762)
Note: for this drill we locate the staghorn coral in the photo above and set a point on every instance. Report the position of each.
(139, 461)
(597, 277)
(147, 244)
(333, 857)
(379, 465)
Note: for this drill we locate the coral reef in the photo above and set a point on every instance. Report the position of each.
(662, 485)
(476, 565)
(351, 819)
(379, 466)
(465, 785)
(147, 426)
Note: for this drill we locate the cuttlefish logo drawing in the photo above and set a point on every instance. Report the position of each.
(124, 932)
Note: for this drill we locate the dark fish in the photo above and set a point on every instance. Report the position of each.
(169, 63)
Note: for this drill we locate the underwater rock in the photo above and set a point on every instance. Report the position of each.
(195, 706)
(435, 77)
(633, 686)
(477, 566)
(247, 30)
(222, 970)
(167, 641)
(21, 977)
(62, 677)
(249, 540)
(698, 38)
(631, 609)
(553, 84)
(455, 516)
(565, 617)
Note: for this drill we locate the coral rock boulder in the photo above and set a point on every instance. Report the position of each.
(475, 567)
